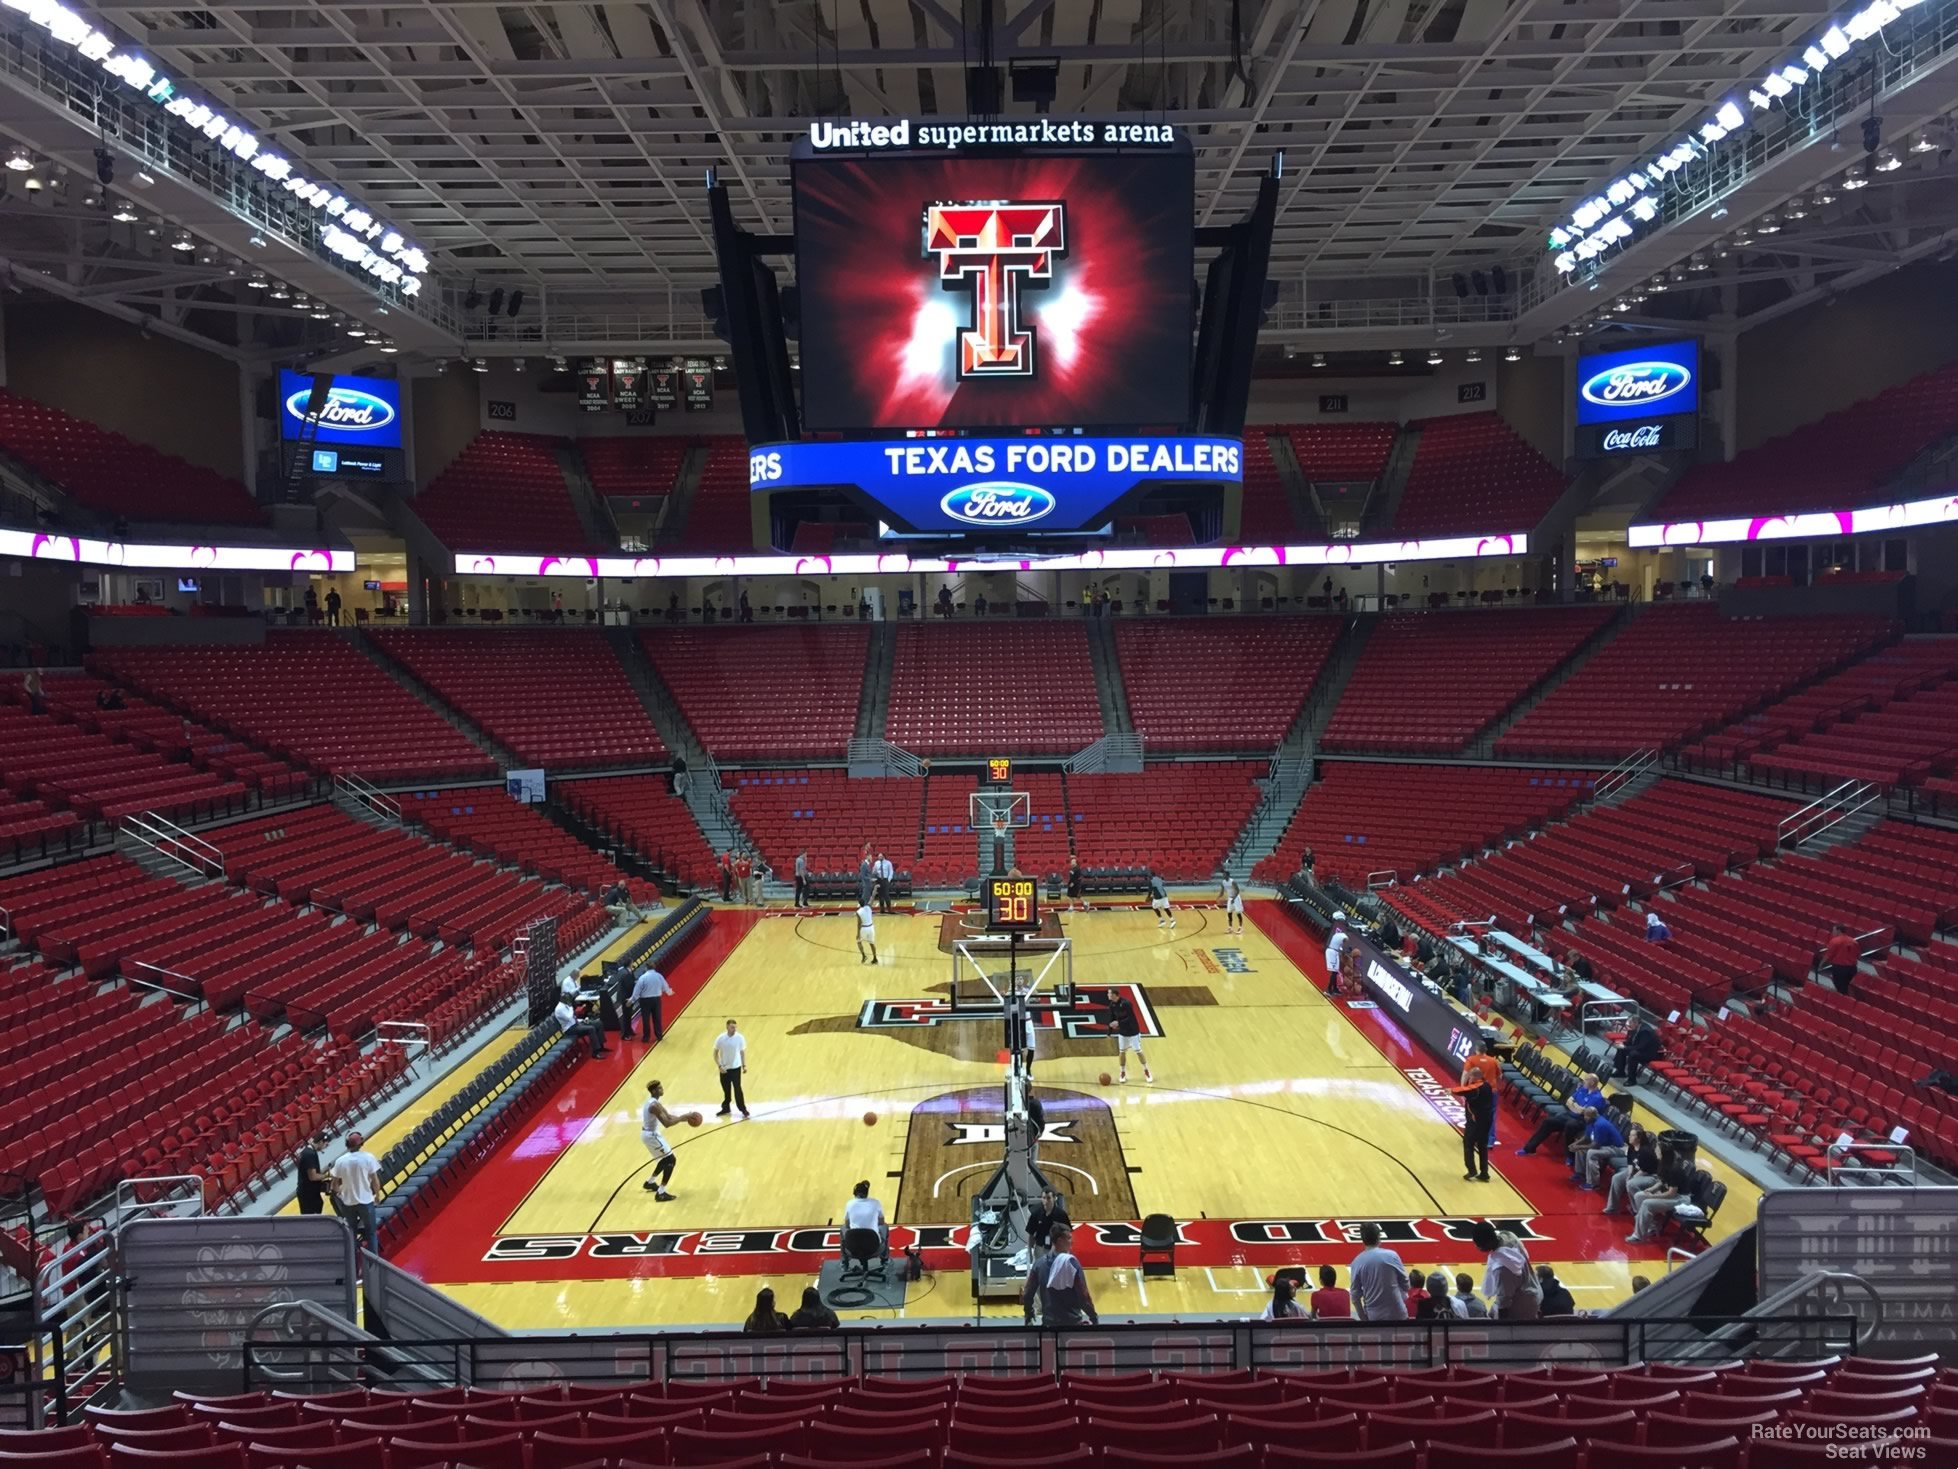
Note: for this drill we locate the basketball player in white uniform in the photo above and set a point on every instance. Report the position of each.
(1232, 898)
(653, 1120)
(1335, 952)
(866, 933)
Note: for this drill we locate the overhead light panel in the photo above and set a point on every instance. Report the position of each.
(356, 329)
(279, 291)
(1887, 161)
(1768, 224)
(19, 159)
(124, 214)
(320, 313)
(1512, 354)
(1434, 356)
(258, 280)
(1855, 179)
(182, 241)
(1922, 144)
(1394, 359)
(389, 347)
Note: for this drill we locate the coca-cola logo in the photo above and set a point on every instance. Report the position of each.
(1645, 436)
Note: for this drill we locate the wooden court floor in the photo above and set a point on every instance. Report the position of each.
(1277, 1121)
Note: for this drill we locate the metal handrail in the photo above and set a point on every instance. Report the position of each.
(1626, 770)
(1837, 1167)
(129, 1205)
(1383, 877)
(406, 1040)
(365, 792)
(894, 758)
(193, 996)
(1826, 811)
(167, 839)
(1102, 752)
(1824, 1287)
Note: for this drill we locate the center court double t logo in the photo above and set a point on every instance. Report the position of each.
(991, 248)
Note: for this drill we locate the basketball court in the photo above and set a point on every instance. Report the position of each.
(1278, 1122)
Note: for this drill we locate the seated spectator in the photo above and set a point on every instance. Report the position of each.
(1329, 1302)
(765, 1319)
(1604, 1145)
(1642, 1047)
(812, 1314)
(1435, 1303)
(1656, 931)
(1556, 1299)
(1567, 1119)
(1468, 1305)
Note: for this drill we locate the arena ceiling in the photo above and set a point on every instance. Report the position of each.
(561, 148)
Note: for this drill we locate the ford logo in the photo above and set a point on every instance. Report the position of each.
(347, 409)
(997, 502)
(1636, 384)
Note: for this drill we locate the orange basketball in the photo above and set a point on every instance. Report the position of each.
(870, 1119)
(693, 1119)
(1105, 1078)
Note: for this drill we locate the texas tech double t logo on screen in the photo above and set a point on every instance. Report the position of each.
(989, 248)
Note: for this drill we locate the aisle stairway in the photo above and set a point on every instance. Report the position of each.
(1292, 765)
(1109, 689)
(505, 757)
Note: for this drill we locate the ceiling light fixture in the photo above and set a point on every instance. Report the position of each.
(1512, 354)
(1434, 356)
(279, 291)
(480, 365)
(1797, 208)
(389, 348)
(33, 183)
(1887, 161)
(1394, 359)
(517, 365)
(1768, 224)
(320, 313)
(356, 329)
(19, 159)
(1855, 179)
(1475, 354)
(1922, 144)
(258, 281)
(124, 214)
(1318, 359)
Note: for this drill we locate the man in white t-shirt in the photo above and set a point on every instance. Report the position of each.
(568, 1022)
(654, 1119)
(648, 991)
(1335, 952)
(866, 933)
(356, 1184)
(864, 1212)
(731, 1059)
(885, 873)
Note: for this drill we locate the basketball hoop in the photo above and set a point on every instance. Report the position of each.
(1002, 824)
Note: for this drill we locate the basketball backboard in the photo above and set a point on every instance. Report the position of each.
(999, 811)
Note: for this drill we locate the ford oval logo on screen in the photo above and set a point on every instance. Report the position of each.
(347, 409)
(1636, 384)
(997, 502)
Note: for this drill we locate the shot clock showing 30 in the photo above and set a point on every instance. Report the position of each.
(1012, 905)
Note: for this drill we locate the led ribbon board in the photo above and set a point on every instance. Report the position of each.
(1797, 525)
(82, 551)
(1334, 553)
(981, 485)
(351, 233)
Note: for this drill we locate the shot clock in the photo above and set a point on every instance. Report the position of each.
(1012, 905)
(999, 771)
